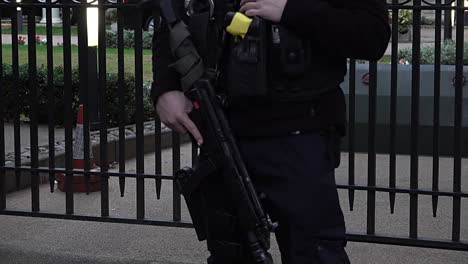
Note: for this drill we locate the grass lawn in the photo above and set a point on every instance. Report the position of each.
(386, 59)
(111, 55)
(41, 30)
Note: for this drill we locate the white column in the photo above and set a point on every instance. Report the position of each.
(55, 16)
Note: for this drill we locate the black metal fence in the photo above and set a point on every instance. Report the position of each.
(87, 58)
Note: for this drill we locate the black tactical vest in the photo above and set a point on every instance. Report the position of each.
(297, 70)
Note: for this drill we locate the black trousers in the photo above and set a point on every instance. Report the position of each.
(296, 173)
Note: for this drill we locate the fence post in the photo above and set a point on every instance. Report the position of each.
(448, 21)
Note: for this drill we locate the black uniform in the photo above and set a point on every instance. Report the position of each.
(289, 136)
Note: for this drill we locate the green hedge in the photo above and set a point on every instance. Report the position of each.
(128, 39)
(9, 103)
(448, 54)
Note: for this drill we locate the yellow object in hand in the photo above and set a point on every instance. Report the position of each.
(239, 24)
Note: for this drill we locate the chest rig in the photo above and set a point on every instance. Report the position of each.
(267, 62)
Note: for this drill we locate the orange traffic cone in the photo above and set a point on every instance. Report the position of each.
(79, 180)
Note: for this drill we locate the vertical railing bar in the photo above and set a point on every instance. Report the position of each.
(393, 107)
(104, 179)
(50, 95)
(458, 107)
(158, 132)
(68, 111)
(436, 109)
(448, 21)
(16, 98)
(83, 64)
(415, 91)
(121, 92)
(194, 153)
(140, 156)
(176, 199)
(158, 154)
(2, 129)
(157, 124)
(33, 125)
(371, 176)
(351, 130)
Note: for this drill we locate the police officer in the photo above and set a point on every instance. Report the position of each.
(289, 135)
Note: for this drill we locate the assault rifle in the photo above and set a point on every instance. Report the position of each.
(221, 154)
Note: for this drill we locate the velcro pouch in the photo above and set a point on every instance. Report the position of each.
(247, 67)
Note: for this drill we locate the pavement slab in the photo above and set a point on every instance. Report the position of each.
(24, 128)
(39, 240)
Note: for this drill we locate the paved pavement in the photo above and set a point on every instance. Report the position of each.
(42, 131)
(56, 39)
(35, 240)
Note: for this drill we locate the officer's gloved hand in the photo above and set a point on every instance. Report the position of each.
(173, 108)
(268, 9)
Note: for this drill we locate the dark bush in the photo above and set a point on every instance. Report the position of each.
(129, 107)
(16, 99)
(19, 102)
(128, 39)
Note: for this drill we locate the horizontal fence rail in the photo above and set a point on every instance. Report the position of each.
(115, 94)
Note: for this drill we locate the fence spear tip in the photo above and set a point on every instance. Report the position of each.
(158, 188)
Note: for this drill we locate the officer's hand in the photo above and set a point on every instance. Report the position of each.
(268, 9)
(173, 108)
